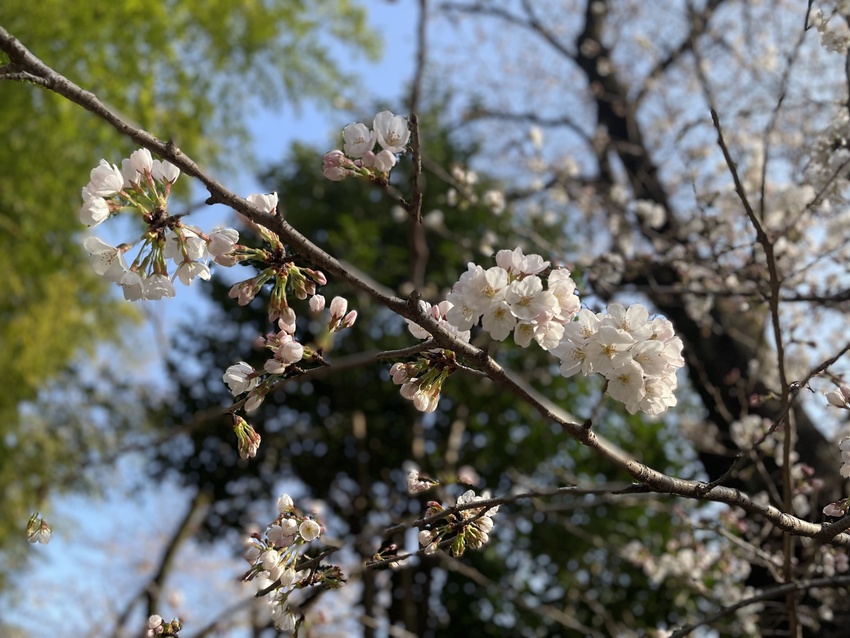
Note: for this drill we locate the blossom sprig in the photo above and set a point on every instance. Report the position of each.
(422, 380)
(159, 627)
(143, 185)
(275, 556)
(358, 158)
(246, 436)
(466, 528)
(242, 378)
(277, 266)
(638, 356)
(510, 297)
(38, 531)
(416, 483)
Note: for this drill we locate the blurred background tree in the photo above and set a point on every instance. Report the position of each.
(344, 436)
(189, 71)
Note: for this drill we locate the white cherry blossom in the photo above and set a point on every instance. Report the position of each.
(392, 131)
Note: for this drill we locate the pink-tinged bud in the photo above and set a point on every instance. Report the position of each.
(142, 161)
(367, 160)
(339, 306)
(835, 398)
(249, 440)
(837, 509)
(317, 303)
(292, 352)
(254, 402)
(336, 174)
(845, 391)
(333, 159)
(244, 292)
(349, 319)
(318, 276)
(384, 161)
(265, 202)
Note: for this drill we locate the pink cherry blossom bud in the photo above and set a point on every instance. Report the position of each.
(333, 159)
(835, 398)
(254, 402)
(142, 161)
(247, 437)
(837, 509)
(222, 240)
(367, 160)
(244, 292)
(252, 552)
(292, 352)
(425, 537)
(384, 161)
(266, 203)
(335, 174)
(339, 306)
(349, 319)
(317, 303)
(285, 504)
(274, 366)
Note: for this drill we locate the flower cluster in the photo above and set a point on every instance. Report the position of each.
(638, 356)
(422, 380)
(38, 531)
(832, 25)
(510, 297)
(286, 352)
(158, 627)
(358, 157)
(143, 185)
(468, 527)
(274, 559)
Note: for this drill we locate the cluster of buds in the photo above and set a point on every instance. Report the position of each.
(277, 267)
(142, 185)
(275, 557)
(286, 352)
(422, 380)
(38, 531)
(461, 528)
(358, 158)
(158, 627)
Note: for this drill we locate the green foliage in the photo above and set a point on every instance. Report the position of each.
(345, 434)
(187, 70)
